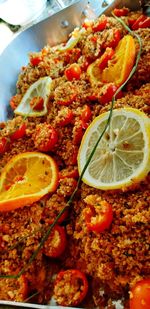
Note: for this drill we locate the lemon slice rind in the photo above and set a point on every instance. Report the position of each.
(103, 154)
(42, 88)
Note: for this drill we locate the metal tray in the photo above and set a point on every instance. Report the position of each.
(52, 30)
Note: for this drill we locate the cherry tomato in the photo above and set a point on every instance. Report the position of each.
(131, 21)
(145, 23)
(78, 133)
(19, 133)
(14, 101)
(86, 117)
(77, 287)
(45, 137)
(66, 117)
(115, 40)
(73, 157)
(98, 217)
(108, 94)
(73, 71)
(55, 245)
(86, 114)
(4, 145)
(65, 95)
(121, 12)
(35, 60)
(37, 103)
(136, 24)
(140, 295)
(100, 25)
(103, 61)
(67, 173)
(72, 55)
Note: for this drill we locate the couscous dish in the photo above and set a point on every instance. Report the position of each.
(97, 246)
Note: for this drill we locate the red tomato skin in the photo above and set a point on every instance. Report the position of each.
(70, 174)
(73, 71)
(56, 251)
(108, 54)
(69, 101)
(115, 40)
(100, 26)
(141, 18)
(75, 274)
(78, 134)
(86, 114)
(35, 60)
(107, 96)
(19, 133)
(50, 141)
(106, 217)
(4, 145)
(121, 12)
(145, 23)
(67, 120)
(140, 295)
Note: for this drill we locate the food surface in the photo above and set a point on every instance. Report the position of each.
(79, 236)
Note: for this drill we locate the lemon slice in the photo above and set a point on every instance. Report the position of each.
(122, 157)
(72, 42)
(41, 88)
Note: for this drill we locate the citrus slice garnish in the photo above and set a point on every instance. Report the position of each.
(122, 157)
(119, 67)
(40, 89)
(73, 40)
(26, 178)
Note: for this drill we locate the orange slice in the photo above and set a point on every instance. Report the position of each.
(26, 178)
(119, 67)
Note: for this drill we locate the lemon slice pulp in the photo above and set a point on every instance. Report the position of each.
(122, 157)
(41, 88)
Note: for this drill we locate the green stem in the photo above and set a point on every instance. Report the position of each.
(35, 253)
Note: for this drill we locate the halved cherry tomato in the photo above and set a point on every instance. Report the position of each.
(78, 133)
(65, 95)
(131, 21)
(14, 101)
(115, 40)
(66, 116)
(138, 21)
(140, 295)
(100, 25)
(145, 23)
(4, 145)
(108, 94)
(35, 60)
(37, 103)
(55, 245)
(77, 287)
(73, 71)
(86, 114)
(19, 133)
(45, 137)
(67, 173)
(98, 217)
(121, 12)
(103, 61)
(86, 117)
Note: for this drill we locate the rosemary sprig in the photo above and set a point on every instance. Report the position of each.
(35, 253)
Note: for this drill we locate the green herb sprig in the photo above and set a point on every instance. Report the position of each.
(45, 237)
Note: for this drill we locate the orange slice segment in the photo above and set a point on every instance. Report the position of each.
(119, 67)
(26, 178)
